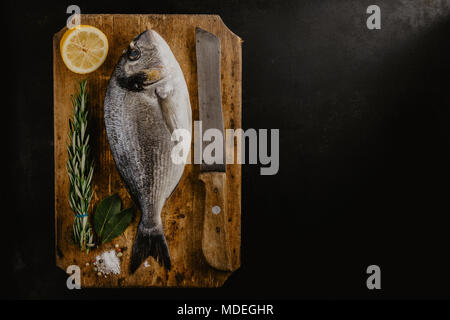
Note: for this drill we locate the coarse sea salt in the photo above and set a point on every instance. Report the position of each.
(108, 263)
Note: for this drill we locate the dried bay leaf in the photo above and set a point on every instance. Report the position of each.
(117, 224)
(107, 208)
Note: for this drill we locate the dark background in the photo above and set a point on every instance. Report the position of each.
(364, 148)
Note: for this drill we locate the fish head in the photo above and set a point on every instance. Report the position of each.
(144, 62)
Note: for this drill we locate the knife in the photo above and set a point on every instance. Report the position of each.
(214, 238)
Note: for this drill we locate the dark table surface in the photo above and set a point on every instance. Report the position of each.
(364, 148)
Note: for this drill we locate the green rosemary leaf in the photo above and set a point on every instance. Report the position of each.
(80, 168)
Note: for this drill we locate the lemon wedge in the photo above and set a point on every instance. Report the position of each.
(83, 49)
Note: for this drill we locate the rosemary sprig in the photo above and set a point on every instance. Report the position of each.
(80, 169)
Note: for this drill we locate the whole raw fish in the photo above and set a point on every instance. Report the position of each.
(146, 100)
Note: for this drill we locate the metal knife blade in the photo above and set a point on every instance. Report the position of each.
(209, 95)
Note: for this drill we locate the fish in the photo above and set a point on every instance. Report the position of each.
(146, 100)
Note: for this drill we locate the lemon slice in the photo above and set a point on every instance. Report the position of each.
(83, 49)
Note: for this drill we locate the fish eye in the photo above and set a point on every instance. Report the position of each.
(134, 54)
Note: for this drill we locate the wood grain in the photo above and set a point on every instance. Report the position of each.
(183, 212)
(215, 234)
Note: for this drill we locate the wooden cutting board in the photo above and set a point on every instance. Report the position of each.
(183, 212)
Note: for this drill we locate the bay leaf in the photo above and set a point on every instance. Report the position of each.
(107, 208)
(117, 224)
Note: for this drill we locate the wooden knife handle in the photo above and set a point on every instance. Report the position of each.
(215, 239)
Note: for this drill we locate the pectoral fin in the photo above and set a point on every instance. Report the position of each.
(164, 94)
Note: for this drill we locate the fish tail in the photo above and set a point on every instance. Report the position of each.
(150, 243)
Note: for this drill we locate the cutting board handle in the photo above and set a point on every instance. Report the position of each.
(215, 244)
